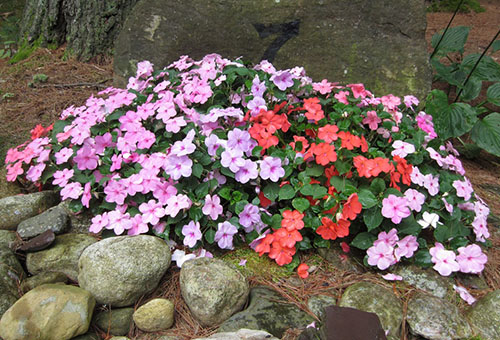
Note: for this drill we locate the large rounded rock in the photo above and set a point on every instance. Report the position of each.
(242, 334)
(485, 315)
(62, 256)
(436, 319)
(119, 270)
(50, 311)
(11, 273)
(212, 290)
(116, 321)
(8, 238)
(15, 209)
(267, 311)
(155, 315)
(370, 297)
(43, 278)
(55, 219)
(425, 279)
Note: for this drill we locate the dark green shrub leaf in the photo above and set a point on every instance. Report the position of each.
(210, 236)
(495, 46)
(423, 258)
(363, 241)
(372, 218)
(197, 170)
(486, 133)
(271, 191)
(487, 69)
(315, 170)
(301, 204)
(471, 89)
(367, 198)
(377, 186)
(286, 192)
(453, 41)
(493, 94)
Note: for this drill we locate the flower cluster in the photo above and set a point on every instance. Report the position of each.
(214, 152)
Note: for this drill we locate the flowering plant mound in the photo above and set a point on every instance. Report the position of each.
(214, 151)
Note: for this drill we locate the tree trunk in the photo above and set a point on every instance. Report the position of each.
(89, 27)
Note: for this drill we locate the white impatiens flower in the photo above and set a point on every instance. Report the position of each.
(179, 256)
(429, 219)
(402, 149)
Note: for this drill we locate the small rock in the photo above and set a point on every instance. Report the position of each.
(116, 321)
(341, 260)
(119, 338)
(267, 311)
(51, 311)
(62, 257)
(318, 303)
(485, 316)
(212, 289)
(8, 238)
(342, 323)
(87, 336)
(11, 273)
(43, 278)
(242, 334)
(119, 270)
(41, 242)
(370, 297)
(436, 319)
(155, 315)
(55, 219)
(79, 223)
(472, 281)
(15, 209)
(424, 279)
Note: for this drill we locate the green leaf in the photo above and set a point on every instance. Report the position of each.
(320, 242)
(301, 204)
(225, 193)
(238, 208)
(363, 241)
(202, 190)
(271, 191)
(314, 190)
(423, 258)
(372, 218)
(210, 236)
(442, 233)
(487, 69)
(197, 170)
(493, 94)
(195, 213)
(453, 41)
(377, 186)
(315, 170)
(286, 192)
(342, 167)
(367, 198)
(486, 133)
(471, 89)
(495, 46)
(256, 151)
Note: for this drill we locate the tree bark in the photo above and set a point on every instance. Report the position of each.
(89, 27)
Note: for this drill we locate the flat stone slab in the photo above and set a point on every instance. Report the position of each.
(378, 42)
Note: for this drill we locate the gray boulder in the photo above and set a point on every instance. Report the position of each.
(62, 256)
(267, 311)
(119, 270)
(341, 260)
(155, 315)
(50, 311)
(212, 289)
(436, 319)
(346, 41)
(116, 321)
(55, 219)
(15, 209)
(425, 279)
(373, 298)
(43, 278)
(485, 315)
(318, 303)
(8, 238)
(11, 273)
(242, 334)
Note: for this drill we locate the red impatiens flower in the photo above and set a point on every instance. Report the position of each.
(349, 141)
(325, 153)
(313, 108)
(328, 133)
(302, 270)
(282, 255)
(292, 220)
(352, 207)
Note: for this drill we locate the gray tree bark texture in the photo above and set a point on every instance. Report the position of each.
(89, 27)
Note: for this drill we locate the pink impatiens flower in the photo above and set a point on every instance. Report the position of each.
(224, 235)
(464, 294)
(151, 211)
(61, 177)
(381, 255)
(415, 199)
(177, 203)
(471, 259)
(282, 80)
(464, 189)
(192, 234)
(249, 216)
(406, 247)
(395, 208)
(71, 190)
(372, 120)
(444, 260)
(212, 207)
(270, 168)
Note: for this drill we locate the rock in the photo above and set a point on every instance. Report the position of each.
(79, 223)
(318, 303)
(472, 281)
(212, 289)
(55, 219)
(40, 242)
(15, 209)
(61, 257)
(343, 41)
(8, 238)
(485, 315)
(342, 323)
(43, 278)
(116, 321)
(435, 318)
(87, 336)
(7, 189)
(119, 270)
(119, 338)
(370, 297)
(267, 311)
(155, 315)
(50, 311)
(424, 279)
(242, 334)
(11, 273)
(341, 260)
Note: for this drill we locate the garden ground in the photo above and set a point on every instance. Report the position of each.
(25, 102)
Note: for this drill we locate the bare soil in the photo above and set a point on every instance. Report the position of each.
(71, 82)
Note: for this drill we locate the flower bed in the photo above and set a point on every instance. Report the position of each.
(205, 151)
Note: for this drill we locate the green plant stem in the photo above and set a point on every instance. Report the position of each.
(475, 65)
(461, 141)
(446, 29)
